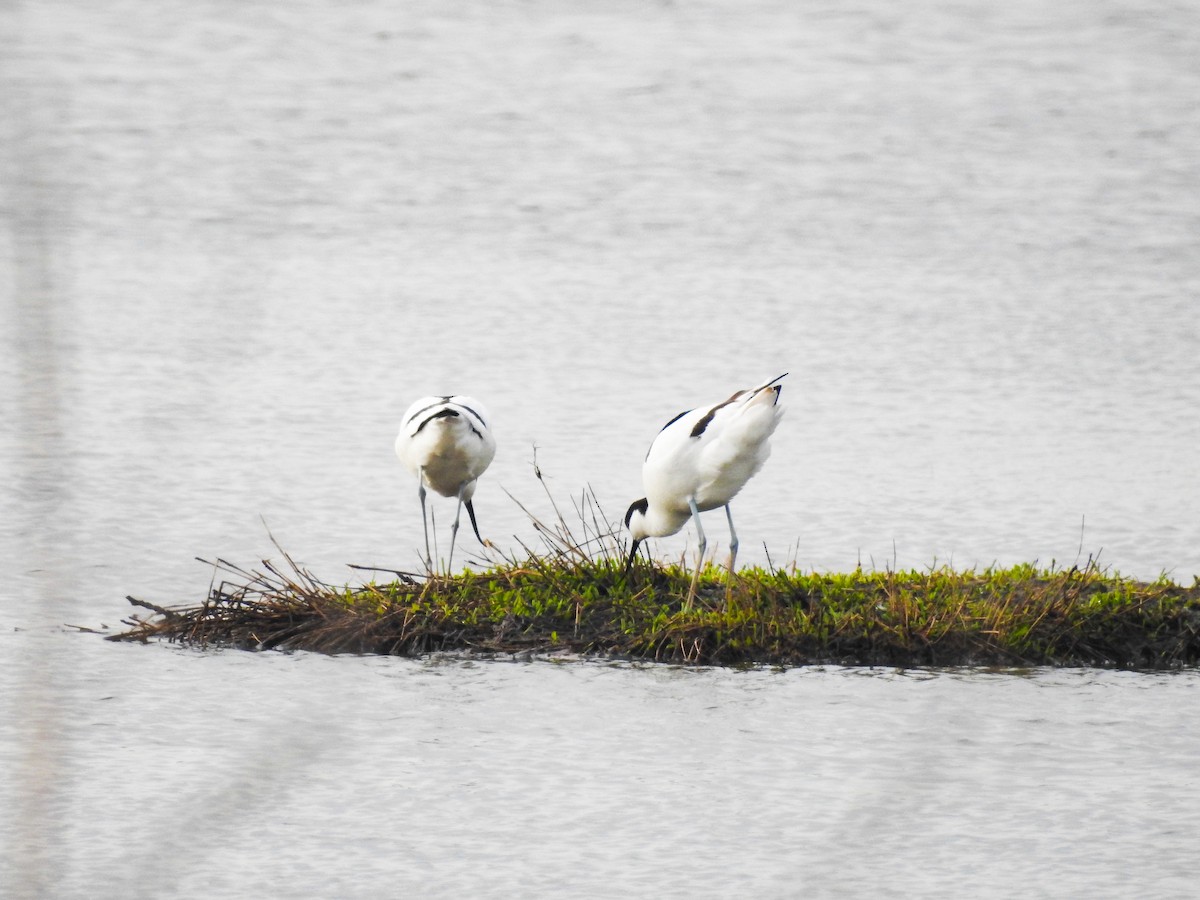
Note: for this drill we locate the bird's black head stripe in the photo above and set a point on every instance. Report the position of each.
(636, 506)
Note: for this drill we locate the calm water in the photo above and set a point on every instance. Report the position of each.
(176, 773)
(240, 239)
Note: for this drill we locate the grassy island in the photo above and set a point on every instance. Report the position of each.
(1020, 616)
(576, 597)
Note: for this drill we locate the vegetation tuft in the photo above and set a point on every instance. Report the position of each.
(575, 597)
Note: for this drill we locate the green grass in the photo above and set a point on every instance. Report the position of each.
(1017, 616)
(574, 596)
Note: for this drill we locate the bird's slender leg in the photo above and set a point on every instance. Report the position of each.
(733, 541)
(699, 528)
(424, 517)
(433, 528)
(454, 530)
(703, 546)
(733, 549)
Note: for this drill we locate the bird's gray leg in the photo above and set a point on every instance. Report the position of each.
(699, 527)
(424, 518)
(454, 532)
(733, 541)
(703, 546)
(433, 528)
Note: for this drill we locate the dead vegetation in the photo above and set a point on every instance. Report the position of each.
(574, 596)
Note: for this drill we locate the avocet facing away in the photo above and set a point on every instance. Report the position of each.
(447, 444)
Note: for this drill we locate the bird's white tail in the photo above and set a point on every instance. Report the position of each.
(769, 392)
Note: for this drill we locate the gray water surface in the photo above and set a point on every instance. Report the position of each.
(239, 239)
(229, 774)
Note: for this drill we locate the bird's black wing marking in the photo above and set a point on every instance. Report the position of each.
(444, 413)
(426, 409)
(475, 414)
(699, 427)
(440, 414)
(674, 420)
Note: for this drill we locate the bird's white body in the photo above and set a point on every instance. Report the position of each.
(448, 439)
(447, 444)
(701, 460)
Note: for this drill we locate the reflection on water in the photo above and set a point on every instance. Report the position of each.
(242, 241)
